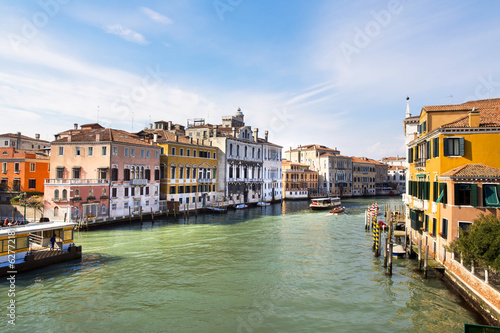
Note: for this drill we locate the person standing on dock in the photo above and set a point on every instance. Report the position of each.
(53, 242)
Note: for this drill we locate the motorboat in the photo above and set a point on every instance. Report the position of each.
(325, 203)
(241, 206)
(263, 204)
(338, 210)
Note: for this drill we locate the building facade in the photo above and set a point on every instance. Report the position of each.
(98, 172)
(453, 171)
(272, 165)
(22, 171)
(363, 175)
(23, 142)
(299, 182)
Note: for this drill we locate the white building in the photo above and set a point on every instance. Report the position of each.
(272, 190)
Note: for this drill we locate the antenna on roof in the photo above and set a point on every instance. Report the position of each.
(450, 96)
(98, 114)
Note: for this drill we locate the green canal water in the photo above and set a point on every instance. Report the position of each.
(281, 268)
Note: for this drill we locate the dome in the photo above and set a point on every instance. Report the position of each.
(238, 113)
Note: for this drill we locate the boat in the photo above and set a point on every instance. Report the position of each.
(26, 247)
(263, 204)
(241, 206)
(325, 203)
(398, 251)
(216, 209)
(338, 210)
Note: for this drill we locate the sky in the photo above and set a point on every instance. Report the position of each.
(335, 73)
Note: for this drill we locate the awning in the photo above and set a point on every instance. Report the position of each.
(490, 195)
(421, 175)
(440, 197)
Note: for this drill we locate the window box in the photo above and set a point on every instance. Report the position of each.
(91, 198)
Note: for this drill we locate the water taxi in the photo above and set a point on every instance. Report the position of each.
(325, 203)
(338, 210)
(26, 247)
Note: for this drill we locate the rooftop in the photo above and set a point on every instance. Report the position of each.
(473, 171)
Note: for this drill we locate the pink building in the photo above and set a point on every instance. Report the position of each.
(100, 172)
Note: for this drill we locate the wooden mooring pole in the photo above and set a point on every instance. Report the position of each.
(385, 252)
(426, 262)
(420, 254)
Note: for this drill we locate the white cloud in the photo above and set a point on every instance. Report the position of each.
(155, 16)
(125, 33)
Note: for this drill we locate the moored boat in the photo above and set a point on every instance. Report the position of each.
(23, 248)
(325, 203)
(263, 204)
(241, 206)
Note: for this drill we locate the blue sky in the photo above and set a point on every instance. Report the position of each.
(335, 73)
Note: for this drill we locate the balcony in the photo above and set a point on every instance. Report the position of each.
(138, 182)
(62, 181)
(418, 203)
(206, 180)
(420, 163)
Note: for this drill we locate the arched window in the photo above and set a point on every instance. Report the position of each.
(237, 150)
(56, 211)
(246, 151)
(103, 209)
(231, 149)
(56, 195)
(64, 195)
(91, 192)
(258, 153)
(77, 193)
(103, 192)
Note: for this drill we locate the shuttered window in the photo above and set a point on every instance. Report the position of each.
(466, 194)
(454, 146)
(435, 147)
(410, 155)
(443, 193)
(490, 195)
(428, 150)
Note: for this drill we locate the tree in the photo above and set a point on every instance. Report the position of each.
(481, 242)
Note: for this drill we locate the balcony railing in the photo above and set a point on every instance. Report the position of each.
(76, 181)
(138, 182)
(206, 180)
(420, 163)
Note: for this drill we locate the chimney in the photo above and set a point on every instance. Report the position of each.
(256, 134)
(69, 137)
(176, 138)
(76, 126)
(37, 136)
(150, 126)
(98, 137)
(474, 118)
(169, 124)
(266, 134)
(234, 132)
(155, 137)
(216, 129)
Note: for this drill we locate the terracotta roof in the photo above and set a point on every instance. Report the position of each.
(366, 160)
(396, 167)
(312, 147)
(473, 171)
(166, 136)
(392, 158)
(487, 118)
(24, 137)
(106, 135)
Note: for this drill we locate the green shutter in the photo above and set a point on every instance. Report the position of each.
(425, 126)
(445, 146)
(490, 195)
(435, 147)
(428, 191)
(457, 186)
(462, 146)
(473, 195)
(428, 143)
(445, 195)
(410, 155)
(435, 191)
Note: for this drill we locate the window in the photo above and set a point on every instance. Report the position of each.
(126, 191)
(410, 156)
(104, 151)
(194, 153)
(454, 146)
(148, 154)
(215, 156)
(490, 195)
(114, 192)
(126, 174)
(181, 151)
(4, 167)
(125, 152)
(188, 172)
(32, 167)
(172, 172)
(90, 151)
(77, 193)
(466, 194)
(181, 172)
(16, 167)
(59, 172)
(157, 153)
(64, 195)
(61, 151)
(172, 189)
(56, 211)
(237, 150)
(173, 150)
(132, 152)
(103, 173)
(76, 173)
(115, 151)
(181, 189)
(32, 183)
(445, 228)
(114, 174)
(103, 209)
(56, 195)
(188, 152)
(428, 150)
(91, 194)
(435, 147)
(125, 205)
(77, 151)
(157, 174)
(143, 153)
(147, 190)
(113, 206)
(147, 174)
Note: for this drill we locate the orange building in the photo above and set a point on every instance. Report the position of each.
(22, 171)
(298, 181)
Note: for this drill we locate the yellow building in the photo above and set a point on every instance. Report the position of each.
(453, 171)
(188, 169)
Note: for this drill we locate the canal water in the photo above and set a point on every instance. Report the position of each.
(281, 268)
